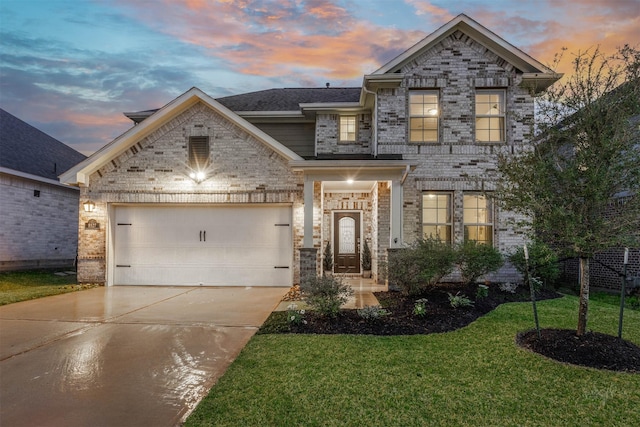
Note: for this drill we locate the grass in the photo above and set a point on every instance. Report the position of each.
(26, 285)
(475, 376)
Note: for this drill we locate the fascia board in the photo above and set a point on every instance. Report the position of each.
(334, 106)
(80, 173)
(32, 177)
(295, 114)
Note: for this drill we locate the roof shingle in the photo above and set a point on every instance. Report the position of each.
(26, 149)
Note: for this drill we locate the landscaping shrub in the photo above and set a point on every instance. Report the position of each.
(483, 292)
(458, 300)
(477, 259)
(420, 307)
(325, 294)
(373, 312)
(543, 262)
(421, 265)
(327, 260)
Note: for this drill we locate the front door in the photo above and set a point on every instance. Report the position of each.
(346, 237)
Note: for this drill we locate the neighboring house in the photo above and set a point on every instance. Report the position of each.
(247, 190)
(38, 214)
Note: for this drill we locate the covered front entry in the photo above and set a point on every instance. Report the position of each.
(236, 245)
(346, 232)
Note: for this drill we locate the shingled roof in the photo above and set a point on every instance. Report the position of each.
(283, 99)
(289, 99)
(26, 149)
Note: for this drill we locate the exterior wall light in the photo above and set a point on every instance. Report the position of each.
(197, 176)
(89, 206)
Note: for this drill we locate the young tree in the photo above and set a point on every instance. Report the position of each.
(580, 184)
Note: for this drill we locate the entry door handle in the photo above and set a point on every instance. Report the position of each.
(205, 235)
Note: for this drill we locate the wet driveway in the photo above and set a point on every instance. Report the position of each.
(122, 356)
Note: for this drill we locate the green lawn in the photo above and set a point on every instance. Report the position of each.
(475, 376)
(26, 285)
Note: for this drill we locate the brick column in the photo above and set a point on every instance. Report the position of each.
(308, 263)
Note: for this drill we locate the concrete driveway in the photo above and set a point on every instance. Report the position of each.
(122, 356)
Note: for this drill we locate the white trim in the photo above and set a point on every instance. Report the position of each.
(36, 178)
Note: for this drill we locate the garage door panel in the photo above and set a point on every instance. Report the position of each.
(168, 245)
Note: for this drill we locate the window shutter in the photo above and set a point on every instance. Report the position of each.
(198, 152)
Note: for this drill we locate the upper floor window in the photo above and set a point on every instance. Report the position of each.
(348, 128)
(477, 218)
(490, 109)
(198, 152)
(437, 219)
(423, 116)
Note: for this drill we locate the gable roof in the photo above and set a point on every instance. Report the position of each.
(81, 172)
(532, 70)
(26, 149)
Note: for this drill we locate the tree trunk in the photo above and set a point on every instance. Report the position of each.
(584, 296)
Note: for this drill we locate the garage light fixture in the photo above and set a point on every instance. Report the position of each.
(197, 176)
(89, 206)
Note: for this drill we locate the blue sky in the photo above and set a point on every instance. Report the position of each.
(71, 67)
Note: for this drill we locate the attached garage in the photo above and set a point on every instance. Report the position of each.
(215, 245)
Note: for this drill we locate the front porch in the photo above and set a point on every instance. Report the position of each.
(348, 203)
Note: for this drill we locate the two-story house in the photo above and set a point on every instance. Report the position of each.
(248, 189)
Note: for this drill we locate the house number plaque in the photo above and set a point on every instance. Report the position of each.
(92, 224)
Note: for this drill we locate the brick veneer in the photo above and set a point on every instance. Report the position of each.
(37, 231)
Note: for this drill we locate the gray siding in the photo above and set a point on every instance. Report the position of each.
(298, 137)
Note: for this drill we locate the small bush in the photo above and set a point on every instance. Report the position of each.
(477, 259)
(327, 260)
(420, 307)
(295, 316)
(543, 262)
(373, 312)
(421, 265)
(508, 287)
(366, 257)
(483, 292)
(458, 301)
(325, 294)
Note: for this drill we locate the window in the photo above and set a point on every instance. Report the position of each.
(198, 153)
(478, 218)
(348, 126)
(423, 116)
(436, 216)
(490, 110)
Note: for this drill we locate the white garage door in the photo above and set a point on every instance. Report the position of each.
(211, 246)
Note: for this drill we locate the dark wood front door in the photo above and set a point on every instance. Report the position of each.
(346, 238)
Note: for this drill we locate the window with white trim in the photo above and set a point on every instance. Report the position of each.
(348, 128)
(424, 111)
(477, 218)
(437, 218)
(490, 115)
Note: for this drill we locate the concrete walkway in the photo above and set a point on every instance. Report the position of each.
(122, 356)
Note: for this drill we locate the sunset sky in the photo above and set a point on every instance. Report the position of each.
(71, 67)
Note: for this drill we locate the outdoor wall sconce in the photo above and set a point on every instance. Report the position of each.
(197, 176)
(89, 206)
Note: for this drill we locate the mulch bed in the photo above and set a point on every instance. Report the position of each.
(593, 349)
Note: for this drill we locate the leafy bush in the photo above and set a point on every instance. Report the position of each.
(366, 257)
(420, 307)
(327, 261)
(458, 301)
(421, 265)
(295, 316)
(508, 287)
(477, 259)
(543, 262)
(483, 292)
(373, 312)
(325, 294)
